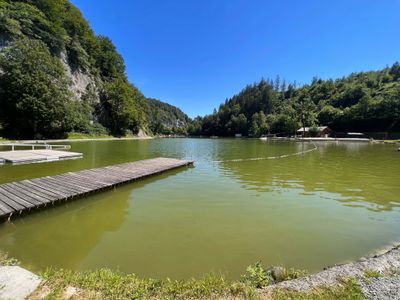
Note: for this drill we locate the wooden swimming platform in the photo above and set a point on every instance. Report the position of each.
(36, 152)
(17, 157)
(26, 195)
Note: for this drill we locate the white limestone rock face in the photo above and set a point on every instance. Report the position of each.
(142, 134)
(79, 80)
(17, 283)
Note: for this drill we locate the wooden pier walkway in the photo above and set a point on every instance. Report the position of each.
(25, 195)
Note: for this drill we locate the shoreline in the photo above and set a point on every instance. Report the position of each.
(88, 139)
(78, 140)
(100, 139)
(371, 273)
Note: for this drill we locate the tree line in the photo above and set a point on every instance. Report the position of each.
(362, 102)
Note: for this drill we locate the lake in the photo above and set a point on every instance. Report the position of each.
(335, 204)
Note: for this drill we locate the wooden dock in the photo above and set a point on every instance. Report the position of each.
(35, 156)
(26, 195)
(36, 152)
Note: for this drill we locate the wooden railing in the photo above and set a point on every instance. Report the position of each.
(34, 146)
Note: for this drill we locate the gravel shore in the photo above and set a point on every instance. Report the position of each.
(382, 288)
(383, 284)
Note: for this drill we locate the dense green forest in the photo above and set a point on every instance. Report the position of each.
(38, 39)
(165, 118)
(362, 102)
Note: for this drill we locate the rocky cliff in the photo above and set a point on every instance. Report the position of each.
(55, 69)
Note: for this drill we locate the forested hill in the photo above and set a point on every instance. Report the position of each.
(362, 102)
(165, 118)
(58, 76)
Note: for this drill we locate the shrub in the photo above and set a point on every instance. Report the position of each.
(256, 276)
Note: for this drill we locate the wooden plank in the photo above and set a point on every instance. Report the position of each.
(96, 181)
(32, 195)
(104, 176)
(43, 187)
(39, 196)
(11, 201)
(52, 186)
(67, 185)
(6, 208)
(102, 181)
(37, 191)
(88, 183)
(16, 199)
(26, 194)
(23, 197)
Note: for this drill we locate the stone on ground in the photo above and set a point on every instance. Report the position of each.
(16, 282)
(381, 288)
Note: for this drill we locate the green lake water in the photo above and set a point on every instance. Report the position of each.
(328, 206)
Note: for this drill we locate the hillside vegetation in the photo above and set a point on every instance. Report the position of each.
(165, 118)
(58, 76)
(365, 101)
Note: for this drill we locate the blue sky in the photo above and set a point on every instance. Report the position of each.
(195, 54)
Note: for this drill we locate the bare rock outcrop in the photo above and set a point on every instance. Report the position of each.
(79, 80)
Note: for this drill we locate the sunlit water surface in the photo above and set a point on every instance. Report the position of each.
(329, 206)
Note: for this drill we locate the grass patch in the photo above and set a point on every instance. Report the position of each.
(257, 276)
(282, 274)
(108, 284)
(372, 273)
(81, 135)
(347, 289)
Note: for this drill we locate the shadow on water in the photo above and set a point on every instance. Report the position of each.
(64, 235)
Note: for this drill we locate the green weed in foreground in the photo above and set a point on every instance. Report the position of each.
(114, 285)
(372, 273)
(257, 276)
(106, 284)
